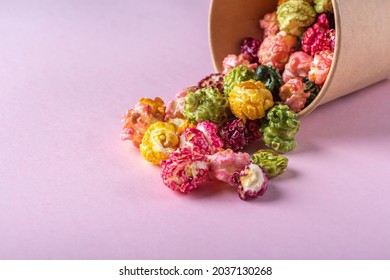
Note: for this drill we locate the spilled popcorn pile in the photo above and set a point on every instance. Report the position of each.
(198, 135)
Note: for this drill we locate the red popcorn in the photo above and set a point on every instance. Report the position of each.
(212, 81)
(253, 127)
(318, 37)
(184, 170)
(298, 65)
(175, 107)
(231, 61)
(276, 49)
(210, 131)
(269, 24)
(293, 94)
(235, 135)
(225, 164)
(320, 67)
(252, 182)
(251, 46)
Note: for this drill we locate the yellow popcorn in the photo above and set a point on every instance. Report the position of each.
(159, 141)
(250, 100)
(157, 105)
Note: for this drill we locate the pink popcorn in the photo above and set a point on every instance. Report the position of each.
(320, 67)
(210, 131)
(235, 135)
(175, 107)
(319, 37)
(269, 24)
(252, 182)
(298, 65)
(184, 170)
(212, 81)
(276, 49)
(232, 60)
(225, 164)
(204, 138)
(250, 46)
(293, 94)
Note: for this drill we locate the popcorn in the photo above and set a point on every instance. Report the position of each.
(238, 75)
(294, 95)
(320, 67)
(180, 124)
(250, 47)
(318, 37)
(210, 131)
(250, 100)
(312, 89)
(323, 6)
(206, 104)
(253, 127)
(235, 135)
(276, 49)
(270, 77)
(184, 170)
(224, 165)
(231, 61)
(159, 141)
(137, 120)
(252, 182)
(280, 128)
(271, 163)
(269, 24)
(298, 65)
(294, 16)
(175, 108)
(214, 81)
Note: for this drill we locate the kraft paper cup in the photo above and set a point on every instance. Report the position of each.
(362, 51)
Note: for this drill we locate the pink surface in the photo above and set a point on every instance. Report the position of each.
(70, 189)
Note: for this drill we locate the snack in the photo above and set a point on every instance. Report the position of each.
(320, 67)
(231, 61)
(252, 182)
(270, 77)
(272, 163)
(184, 170)
(298, 65)
(175, 108)
(159, 141)
(269, 24)
(294, 95)
(250, 47)
(235, 135)
(238, 75)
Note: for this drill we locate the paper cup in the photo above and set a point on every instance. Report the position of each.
(362, 51)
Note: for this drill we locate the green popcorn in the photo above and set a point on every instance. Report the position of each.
(271, 79)
(206, 104)
(272, 163)
(323, 6)
(237, 75)
(280, 128)
(294, 16)
(313, 88)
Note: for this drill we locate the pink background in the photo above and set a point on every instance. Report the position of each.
(70, 189)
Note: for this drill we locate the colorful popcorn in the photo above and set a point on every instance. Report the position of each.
(159, 141)
(269, 24)
(210, 131)
(312, 89)
(280, 128)
(323, 6)
(295, 16)
(231, 61)
(180, 124)
(175, 108)
(250, 47)
(184, 170)
(318, 37)
(298, 65)
(250, 100)
(294, 95)
(206, 104)
(238, 75)
(235, 135)
(320, 67)
(136, 121)
(253, 127)
(252, 182)
(225, 164)
(270, 77)
(272, 163)
(276, 49)
(196, 140)
(214, 81)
